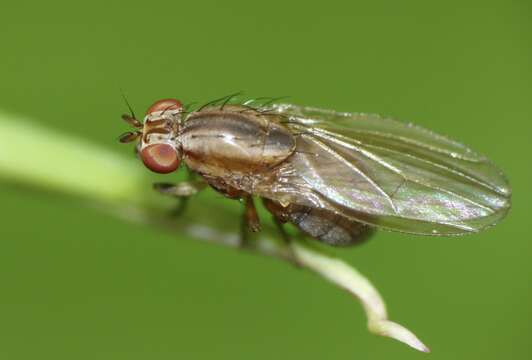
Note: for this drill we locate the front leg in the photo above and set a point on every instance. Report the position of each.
(182, 191)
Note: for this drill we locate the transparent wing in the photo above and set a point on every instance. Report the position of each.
(387, 173)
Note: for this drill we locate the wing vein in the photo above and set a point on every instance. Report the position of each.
(299, 120)
(346, 142)
(354, 168)
(405, 178)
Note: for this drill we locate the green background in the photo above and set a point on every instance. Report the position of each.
(79, 284)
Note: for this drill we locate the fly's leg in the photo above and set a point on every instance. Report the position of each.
(250, 214)
(291, 255)
(287, 240)
(280, 216)
(182, 191)
(250, 221)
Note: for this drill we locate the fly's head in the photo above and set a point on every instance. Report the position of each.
(158, 146)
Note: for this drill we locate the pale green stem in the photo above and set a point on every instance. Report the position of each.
(42, 158)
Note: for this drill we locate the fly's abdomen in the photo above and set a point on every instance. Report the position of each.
(328, 227)
(323, 225)
(234, 139)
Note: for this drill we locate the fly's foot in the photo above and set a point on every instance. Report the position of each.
(181, 189)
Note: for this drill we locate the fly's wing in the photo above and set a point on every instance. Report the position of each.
(386, 173)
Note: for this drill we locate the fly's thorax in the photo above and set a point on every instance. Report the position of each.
(234, 139)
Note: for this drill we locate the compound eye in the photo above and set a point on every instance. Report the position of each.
(160, 158)
(165, 105)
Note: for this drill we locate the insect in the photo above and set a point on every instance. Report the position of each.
(336, 176)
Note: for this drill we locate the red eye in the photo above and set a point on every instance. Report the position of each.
(165, 105)
(160, 158)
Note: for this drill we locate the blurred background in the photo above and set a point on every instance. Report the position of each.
(77, 283)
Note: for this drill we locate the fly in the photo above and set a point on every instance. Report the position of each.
(334, 175)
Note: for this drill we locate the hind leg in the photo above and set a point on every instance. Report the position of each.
(287, 239)
(280, 217)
